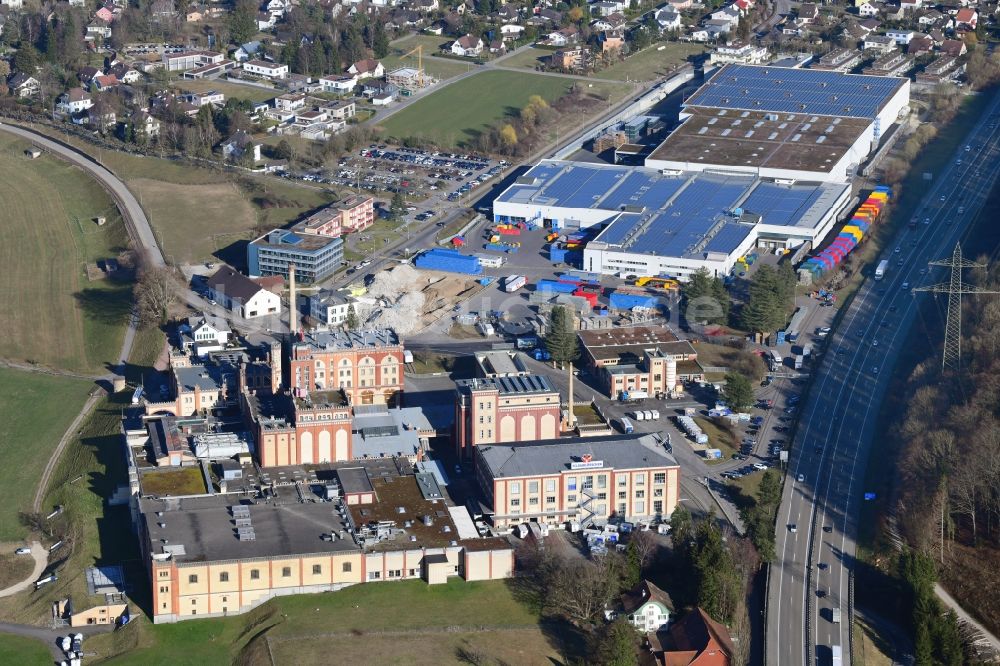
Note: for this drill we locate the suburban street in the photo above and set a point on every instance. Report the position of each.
(815, 560)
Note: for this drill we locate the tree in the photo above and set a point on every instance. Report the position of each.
(706, 299)
(155, 292)
(4, 69)
(508, 136)
(352, 322)
(738, 392)
(242, 23)
(380, 42)
(618, 644)
(26, 59)
(560, 341)
(398, 205)
(770, 297)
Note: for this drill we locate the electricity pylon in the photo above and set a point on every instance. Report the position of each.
(952, 357)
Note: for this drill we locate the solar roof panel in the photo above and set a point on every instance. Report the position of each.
(787, 90)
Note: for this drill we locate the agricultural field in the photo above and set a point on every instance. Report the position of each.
(51, 314)
(651, 63)
(439, 68)
(35, 410)
(356, 623)
(456, 114)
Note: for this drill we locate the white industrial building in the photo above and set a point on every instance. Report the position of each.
(783, 123)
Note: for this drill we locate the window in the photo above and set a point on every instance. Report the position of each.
(194, 601)
(412, 572)
(602, 481)
(255, 574)
(533, 501)
(622, 482)
(621, 508)
(657, 506)
(602, 496)
(622, 494)
(570, 483)
(193, 578)
(317, 569)
(588, 482)
(164, 574)
(515, 502)
(660, 477)
(550, 485)
(571, 499)
(658, 492)
(640, 479)
(550, 499)
(224, 577)
(164, 589)
(515, 488)
(532, 486)
(346, 567)
(286, 572)
(640, 494)
(374, 575)
(640, 508)
(224, 599)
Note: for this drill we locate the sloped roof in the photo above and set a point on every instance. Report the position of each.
(642, 594)
(695, 638)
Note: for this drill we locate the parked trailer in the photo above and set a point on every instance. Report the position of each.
(514, 282)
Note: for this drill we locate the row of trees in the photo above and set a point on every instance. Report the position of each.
(771, 298)
(937, 637)
(706, 299)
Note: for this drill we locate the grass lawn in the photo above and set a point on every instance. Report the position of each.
(651, 63)
(529, 58)
(310, 625)
(229, 89)
(427, 362)
(146, 349)
(455, 115)
(869, 646)
(586, 415)
(23, 651)
(464, 332)
(49, 312)
(192, 226)
(14, 568)
(439, 68)
(35, 411)
(182, 481)
(720, 436)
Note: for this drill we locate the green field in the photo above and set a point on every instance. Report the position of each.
(35, 411)
(439, 68)
(50, 313)
(651, 63)
(456, 114)
(230, 90)
(23, 651)
(530, 58)
(309, 628)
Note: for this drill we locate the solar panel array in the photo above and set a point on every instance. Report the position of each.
(787, 90)
(643, 190)
(781, 204)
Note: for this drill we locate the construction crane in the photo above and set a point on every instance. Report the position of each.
(420, 57)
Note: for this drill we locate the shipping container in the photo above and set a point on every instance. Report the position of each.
(514, 282)
(623, 301)
(449, 261)
(554, 286)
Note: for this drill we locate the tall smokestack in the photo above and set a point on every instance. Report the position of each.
(293, 306)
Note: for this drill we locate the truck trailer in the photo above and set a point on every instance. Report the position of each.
(514, 282)
(880, 270)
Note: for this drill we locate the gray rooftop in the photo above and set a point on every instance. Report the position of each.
(556, 456)
(380, 432)
(333, 340)
(354, 480)
(206, 529)
(204, 377)
(519, 385)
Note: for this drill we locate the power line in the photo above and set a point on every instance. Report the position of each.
(955, 288)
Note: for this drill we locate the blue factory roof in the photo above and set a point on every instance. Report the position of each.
(788, 90)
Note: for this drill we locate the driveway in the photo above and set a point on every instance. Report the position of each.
(41, 557)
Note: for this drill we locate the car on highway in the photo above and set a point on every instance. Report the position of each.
(906, 286)
(875, 371)
(801, 478)
(792, 528)
(897, 250)
(780, 428)
(900, 262)
(874, 343)
(892, 308)
(828, 528)
(822, 566)
(927, 220)
(923, 271)
(821, 593)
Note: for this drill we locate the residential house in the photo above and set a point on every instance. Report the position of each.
(241, 295)
(87, 74)
(550, 15)
(570, 60)
(808, 13)
(646, 607)
(267, 70)
(204, 333)
(901, 37)
(930, 18)
(265, 21)
(426, 6)
(367, 69)
(611, 42)
(966, 18)
(497, 47)
(606, 7)
(743, 53)
(880, 43)
(696, 639)
(373, 88)
(919, 45)
(467, 46)
(340, 85)
(910, 5)
(941, 69)
(162, 10)
(341, 110)
(383, 99)
(98, 29)
(867, 10)
(839, 60)
(12, 4)
(246, 51)
(23, 85)
(74, 101)
(511, 30)
(668, 19)
(562, 37)
(125, 74)
(144, 126)
(104, 83)
(954, 48)
(869, 25)
(275, 8)
(184, 60)
(104, 121)
(728, 13)
(716, 28)
(194, 15)
(105, 15)
(213, 97)
(329, 308)
(239, 145)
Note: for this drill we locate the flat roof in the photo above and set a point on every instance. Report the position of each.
(336, 340)
(515, 385)
(403, 492)
(379, 432)
(761, 139)
(791, 90)
(288, 240)
(556, 456)
(203, 529)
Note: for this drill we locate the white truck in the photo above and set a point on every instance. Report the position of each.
(799, 358)
(514, 282)
(836, 656)
(880, 270)
(486, 329)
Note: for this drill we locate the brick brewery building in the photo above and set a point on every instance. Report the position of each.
(366, 365)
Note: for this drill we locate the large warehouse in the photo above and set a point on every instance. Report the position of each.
(674, 224)
(785, 123)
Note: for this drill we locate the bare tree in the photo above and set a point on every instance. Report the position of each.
(579, 589)
(155, 292)
(963, 491)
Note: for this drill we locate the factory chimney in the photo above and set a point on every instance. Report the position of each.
(293, 306)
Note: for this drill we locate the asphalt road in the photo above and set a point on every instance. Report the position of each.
(838, 422)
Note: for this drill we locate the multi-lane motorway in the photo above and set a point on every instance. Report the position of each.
(824, 490)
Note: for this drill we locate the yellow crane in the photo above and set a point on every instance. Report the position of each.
(421, 79)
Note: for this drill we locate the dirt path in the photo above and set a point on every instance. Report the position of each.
(948, 601)
(41, 557)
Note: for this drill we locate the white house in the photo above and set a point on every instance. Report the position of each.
(340, 85)
(205, 333)
(12, 4)
(266, 21)
(511, 30)
(646, 607)
(901, 37)
(238, 145)
(668, 19)
(267, 70)
(275, 8)
(329, 308)
(246, 52)
(74, 101)
(241, 295)
(730, 13)
(867, 10)
(606, 7)
(467, 46)
(367, 69)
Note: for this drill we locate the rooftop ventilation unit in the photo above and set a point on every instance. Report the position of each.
(749, 134)
(726, 132)
(796, 137)
(821, 138)
(772, 136)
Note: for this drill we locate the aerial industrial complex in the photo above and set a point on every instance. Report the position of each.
(762, 158)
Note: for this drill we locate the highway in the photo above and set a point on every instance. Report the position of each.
(812, 571)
